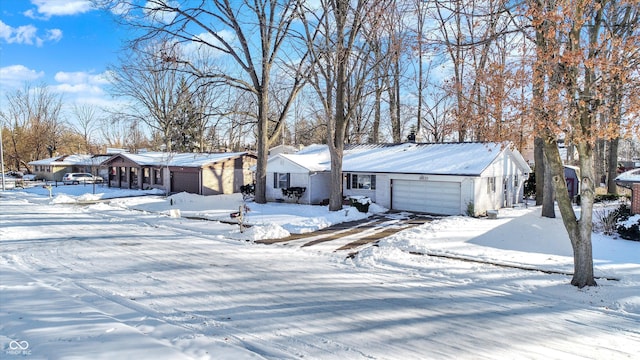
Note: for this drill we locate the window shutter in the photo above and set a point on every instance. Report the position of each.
(348, 181)
(373, 182)
(288, 180)
(275, 180)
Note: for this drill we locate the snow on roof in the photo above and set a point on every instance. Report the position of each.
(198, 159)
(631, 176)
(77, 159)
(411, 158)
(314, 158)
(179, 159)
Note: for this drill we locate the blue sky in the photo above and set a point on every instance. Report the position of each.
(64, 43)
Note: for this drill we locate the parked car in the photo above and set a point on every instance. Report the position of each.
(77, 178)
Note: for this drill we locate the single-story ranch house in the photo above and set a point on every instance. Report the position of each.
(53, 169)
(443, 178)
(197, 173)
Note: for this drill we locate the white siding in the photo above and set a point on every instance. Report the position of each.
(317, 184)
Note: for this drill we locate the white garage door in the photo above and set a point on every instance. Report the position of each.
(436, 197)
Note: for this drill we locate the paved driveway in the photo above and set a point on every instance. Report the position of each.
(354, 235)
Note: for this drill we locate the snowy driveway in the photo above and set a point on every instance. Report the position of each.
(352, 236)
(103, 283)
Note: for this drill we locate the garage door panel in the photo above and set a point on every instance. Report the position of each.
(185, 182)
(426, 196)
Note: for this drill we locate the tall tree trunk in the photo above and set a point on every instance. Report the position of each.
(336, 135)
(538, 158)
(612, 166)
(600, 160)
(615, 116)
(579, 230)
(262, 150)
(548, 193)
(377, 115)
(397, 126)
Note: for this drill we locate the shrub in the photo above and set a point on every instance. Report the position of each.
(530, 186)
(630, 228)
(361, 203)
(606, 221)
(471, 209)
(606, 197)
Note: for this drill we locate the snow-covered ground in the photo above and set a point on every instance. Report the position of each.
(86, 276)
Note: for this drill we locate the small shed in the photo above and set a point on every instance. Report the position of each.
(572, 177)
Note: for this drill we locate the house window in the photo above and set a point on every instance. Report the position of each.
(123, 174)
(281, 180)
(145, 175)
(491, 185)
(134, 177)
(157, 176)
(367, 182)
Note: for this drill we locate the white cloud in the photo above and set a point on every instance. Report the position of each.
(156, 11)
(27, 35)
(5, 30)
(54, 35)
(80, 77)
(83, 89)
(15, 76)
(50, 8)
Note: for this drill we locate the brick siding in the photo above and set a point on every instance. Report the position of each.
(635, 199)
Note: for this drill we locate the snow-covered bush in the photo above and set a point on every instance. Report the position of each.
(629, 228)
(361, 203)
(619, 220)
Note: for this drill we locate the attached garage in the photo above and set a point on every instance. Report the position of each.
(185, 181)
(437, 197)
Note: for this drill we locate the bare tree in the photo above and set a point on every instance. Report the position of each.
(33, 117)
(479, 39)
(333, 37)
(152, 84)
(250, 34)
(436, 122)
(87, 121)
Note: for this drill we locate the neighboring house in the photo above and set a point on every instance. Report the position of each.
(631, 180)
(53, 169)
(445, 178)
(310, 169)
(197, 173)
